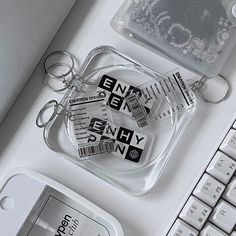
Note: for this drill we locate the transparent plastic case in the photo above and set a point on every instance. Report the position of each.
(138, 138)
(47, 208)
(197, 34)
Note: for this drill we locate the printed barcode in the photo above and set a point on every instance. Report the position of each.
(137, 110)
(101, 147)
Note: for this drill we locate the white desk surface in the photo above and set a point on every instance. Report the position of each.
(22, 144)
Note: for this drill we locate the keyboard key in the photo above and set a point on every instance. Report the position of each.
(230, 193)
(211, 230)
(180, 228)
(222, 167)
(224, 216)
(229, 144)
(195, 212)
(209, 190)
(211, 210)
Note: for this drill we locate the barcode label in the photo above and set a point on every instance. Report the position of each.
(138, 111)
(101, 147)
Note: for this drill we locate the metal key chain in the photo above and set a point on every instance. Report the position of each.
(70, 66)
(52, 63)
(58, 109)
(215, 89)
(66, 77)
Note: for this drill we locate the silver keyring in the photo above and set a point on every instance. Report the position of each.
(60, 52)
(66, 84)
(44, 108)
(203, 82)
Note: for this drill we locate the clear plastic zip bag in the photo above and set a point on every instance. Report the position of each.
(120, 120)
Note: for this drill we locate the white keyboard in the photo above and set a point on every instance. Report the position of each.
(211, 208)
